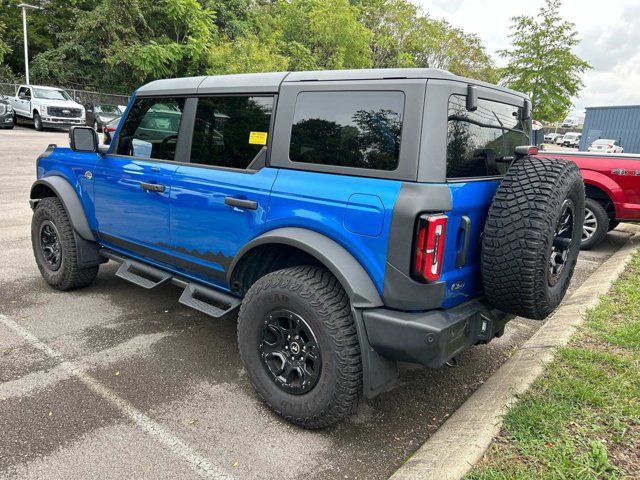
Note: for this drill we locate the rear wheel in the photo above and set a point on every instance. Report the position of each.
(54, 247)
(532, 236)
(596, 224)
(299, 345)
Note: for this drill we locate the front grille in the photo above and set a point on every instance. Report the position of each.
(3, 108)
(64, 112)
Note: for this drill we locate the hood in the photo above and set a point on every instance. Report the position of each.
(60, 103)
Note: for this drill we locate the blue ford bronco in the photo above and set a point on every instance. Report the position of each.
(352, 220)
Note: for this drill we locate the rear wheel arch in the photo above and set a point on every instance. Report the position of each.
(287, 247)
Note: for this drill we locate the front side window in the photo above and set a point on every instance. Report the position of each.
(478, 140)
(230, 131)
(151, 128)
(348, 129)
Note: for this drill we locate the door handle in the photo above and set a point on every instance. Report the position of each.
(241, 203)
(465, 229)
(152, 187)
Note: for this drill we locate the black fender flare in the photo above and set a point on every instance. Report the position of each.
(69, 198)
(378, 373)
(351, 274)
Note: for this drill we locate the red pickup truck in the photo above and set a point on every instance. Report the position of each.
(612, 184)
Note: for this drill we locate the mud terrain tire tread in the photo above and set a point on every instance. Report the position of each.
(332, 320)
(519, 232)
(70, 275)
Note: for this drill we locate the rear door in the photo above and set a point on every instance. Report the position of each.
(220, 199)
(477, 144)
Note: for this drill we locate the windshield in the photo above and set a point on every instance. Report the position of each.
(106, 108)
(569, 136)
(602, 142)
(51, 94)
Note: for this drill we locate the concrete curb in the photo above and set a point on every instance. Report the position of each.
(461, 441)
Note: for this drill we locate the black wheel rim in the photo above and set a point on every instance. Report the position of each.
(562, 240)
(290, 352)
(50, 245)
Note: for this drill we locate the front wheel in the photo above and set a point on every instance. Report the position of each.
(299, 346)
(37, 122)
(596, 224)
(54, 247)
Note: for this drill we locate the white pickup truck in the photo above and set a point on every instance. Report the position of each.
(47, 107)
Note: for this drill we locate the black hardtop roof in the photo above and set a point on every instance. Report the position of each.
(270, 82)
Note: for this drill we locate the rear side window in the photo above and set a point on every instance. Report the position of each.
(475, 140)
(230, 131)
(151, 128)
(348, 129)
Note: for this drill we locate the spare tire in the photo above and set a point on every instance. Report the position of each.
(532, 236)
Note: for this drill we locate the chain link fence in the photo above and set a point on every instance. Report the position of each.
(81, 96)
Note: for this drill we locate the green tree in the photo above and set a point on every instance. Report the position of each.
(542, 64)
(122, 44)
(404, 37)
(322, 34)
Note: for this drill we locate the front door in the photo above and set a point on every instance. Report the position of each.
(132, 184)
(220, 200)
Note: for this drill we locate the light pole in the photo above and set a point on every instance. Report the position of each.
(25, 7)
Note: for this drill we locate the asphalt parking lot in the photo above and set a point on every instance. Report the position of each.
(113, 381)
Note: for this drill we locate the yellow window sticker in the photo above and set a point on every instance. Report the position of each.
(258, 138)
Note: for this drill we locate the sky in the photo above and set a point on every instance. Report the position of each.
(609, 30)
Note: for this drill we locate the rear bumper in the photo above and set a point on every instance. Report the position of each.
(435, 337)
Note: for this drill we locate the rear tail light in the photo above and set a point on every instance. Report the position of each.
(429, 247)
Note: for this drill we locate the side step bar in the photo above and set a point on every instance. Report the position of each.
(204, 299)
(144, 276)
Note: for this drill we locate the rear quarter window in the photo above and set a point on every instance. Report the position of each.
(358, 129)
(475, 140)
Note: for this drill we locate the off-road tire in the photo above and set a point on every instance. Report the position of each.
(519, 233)
(602, 223)
(69, 275)
(317, 296)
(37, 122)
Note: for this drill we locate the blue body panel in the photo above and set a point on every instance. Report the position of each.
(204, 230)
(336, 206)
(73, 166)
(125, 211)
(473, 200)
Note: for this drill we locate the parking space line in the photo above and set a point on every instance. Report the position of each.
(198, 463)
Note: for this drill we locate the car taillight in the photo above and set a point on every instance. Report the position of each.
(429, 247)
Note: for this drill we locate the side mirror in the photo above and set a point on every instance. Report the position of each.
(472, 98)
(83, 139)
(21, 96)
(526, 110)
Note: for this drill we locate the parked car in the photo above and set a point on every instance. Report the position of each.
(605, 146)
(551, 137)
(109, 130)
(571, 139)
(345, 247)
(46, 107)
(570, 122)
(612, 186)
(99, 114)
(6, 113)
